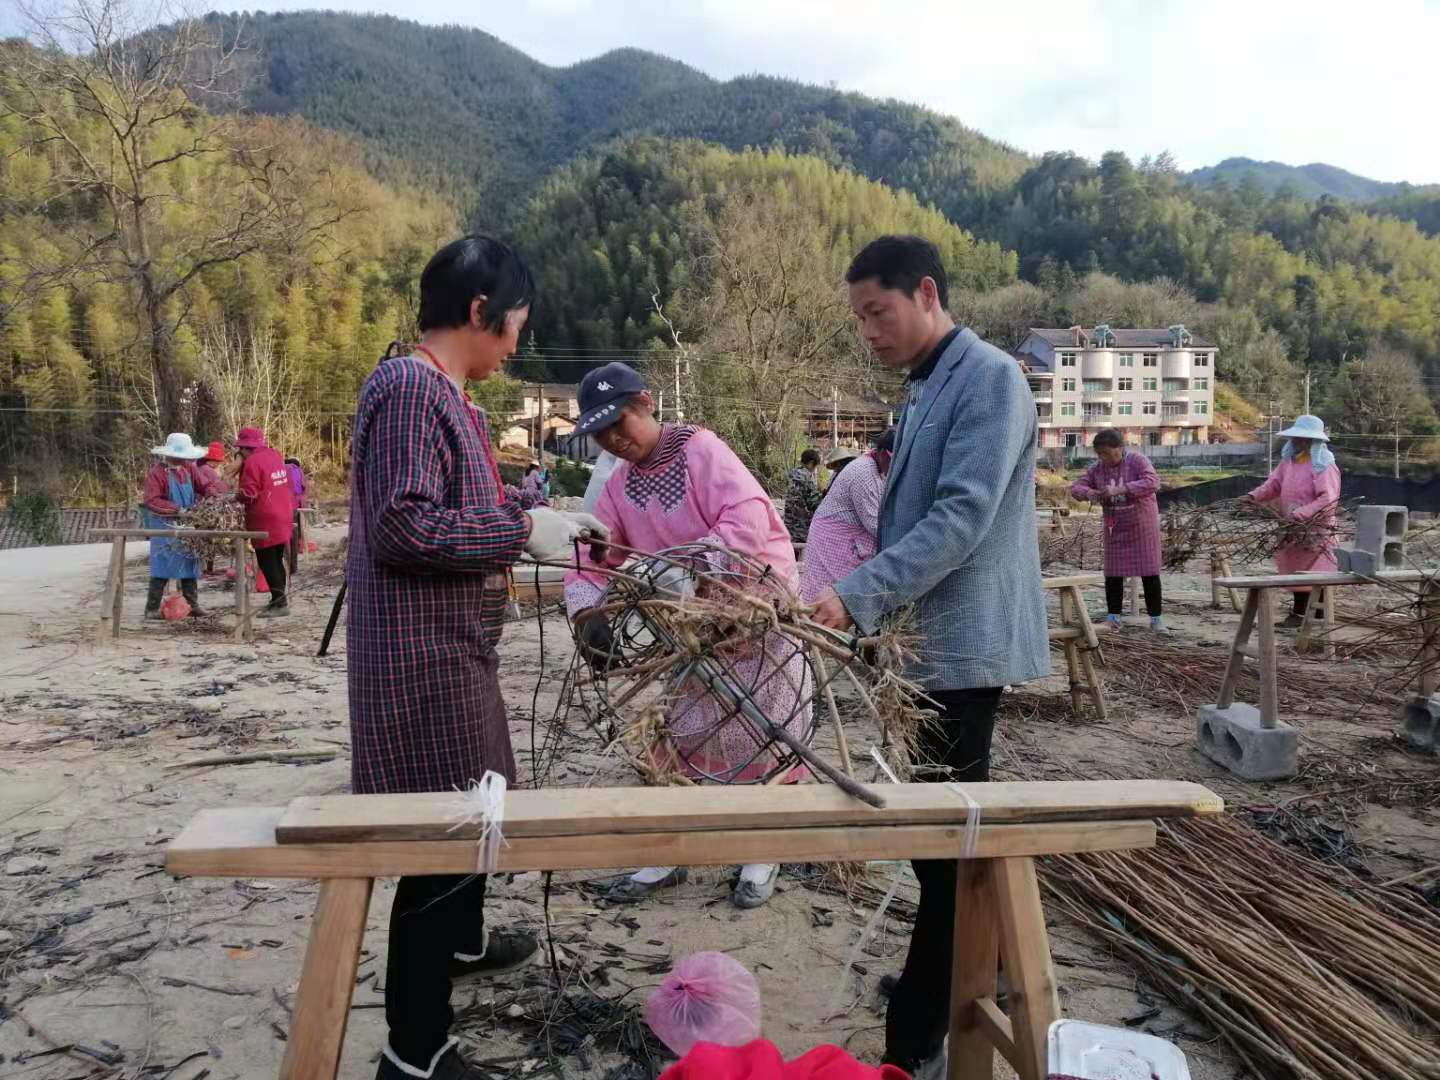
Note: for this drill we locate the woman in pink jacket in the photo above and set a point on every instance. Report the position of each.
(677, 484)
(1305, 486)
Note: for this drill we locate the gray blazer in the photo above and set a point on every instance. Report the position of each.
(958, 536)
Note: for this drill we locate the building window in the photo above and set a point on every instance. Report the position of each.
(1125, 408)
(1147, 408)
(1067, 359)
(1067, 384)
(1201, 383)
(1067, 408)
(1172, 410)
(1097, 386)
(1201, 407)
(1150, 384)
(1127, 359)
(1127, 384)
(1152, 359)
(1202, 359)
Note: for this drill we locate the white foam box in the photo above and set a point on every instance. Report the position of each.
(1081, 1051)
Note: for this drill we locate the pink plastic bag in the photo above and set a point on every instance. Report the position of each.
(174, 607)
(708, 997)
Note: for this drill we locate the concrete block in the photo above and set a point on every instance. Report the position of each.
(1353, 560)
(1420, 723)
(1234, 738)
(1376, 526)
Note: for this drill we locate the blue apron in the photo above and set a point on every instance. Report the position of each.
(167, 558)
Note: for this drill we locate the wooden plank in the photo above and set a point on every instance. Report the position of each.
(241, 843)
(974, 962)
(147, 534)
(1237, 656)
(1066, 633)
(327, 981)
(1092, 685)
(1072, 581)
(117, 602)
(1269, 664)
(1292, 582)
(588, 811)
(1025, 946)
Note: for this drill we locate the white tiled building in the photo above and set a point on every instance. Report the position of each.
(1156, 386)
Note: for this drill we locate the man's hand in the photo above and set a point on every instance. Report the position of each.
(553, 533)
(830, 611)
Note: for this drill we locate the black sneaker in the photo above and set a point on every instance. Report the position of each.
(275, 611)
(1291, 622)
(504, 950)
(447, 1065)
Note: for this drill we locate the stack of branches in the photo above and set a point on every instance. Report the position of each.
(1245, 531)
(1307, 971)
(216, 512)
(1190, 675)
(1399, 636)
(673, 616)
(1080, 547)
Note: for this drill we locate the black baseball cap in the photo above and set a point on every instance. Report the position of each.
(603, 393)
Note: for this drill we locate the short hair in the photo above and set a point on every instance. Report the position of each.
(469, 267)
(901, 262)
(810, 457)
(1108, 439)
(532, 467)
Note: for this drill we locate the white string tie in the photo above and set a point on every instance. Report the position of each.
(482, 805)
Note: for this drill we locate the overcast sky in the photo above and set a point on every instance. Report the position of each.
(1296, 81)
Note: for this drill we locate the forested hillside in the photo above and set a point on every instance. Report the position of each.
(1306, 181)
(483, 123)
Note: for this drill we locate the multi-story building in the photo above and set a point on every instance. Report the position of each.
(1156, 386)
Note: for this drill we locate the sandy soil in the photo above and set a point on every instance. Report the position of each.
(131, 973)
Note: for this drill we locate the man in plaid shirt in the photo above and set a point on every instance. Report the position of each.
(431, 535)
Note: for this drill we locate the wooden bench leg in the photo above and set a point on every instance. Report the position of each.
(1269, 678)
(1025, 947)
(327, 981)
(117, 608)
(242, 594)
(974, 962)
(1228, 572)
(109, 623)
(1238, 650)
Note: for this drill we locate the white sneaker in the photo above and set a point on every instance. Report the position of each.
(935, 1066)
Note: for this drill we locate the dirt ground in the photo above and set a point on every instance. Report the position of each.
(108, 967)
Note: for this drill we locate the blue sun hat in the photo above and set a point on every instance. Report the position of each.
(1306, 427)
(1309, 427)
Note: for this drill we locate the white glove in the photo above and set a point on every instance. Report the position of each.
(553, 533)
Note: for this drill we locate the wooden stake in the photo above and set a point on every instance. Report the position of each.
(1025, 946)
(111, 603)
(327, 981)
(242, 594)
(1269, 664)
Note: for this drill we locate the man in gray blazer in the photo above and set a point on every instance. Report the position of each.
(958, 544)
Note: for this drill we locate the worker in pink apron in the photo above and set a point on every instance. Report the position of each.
(1305, 486)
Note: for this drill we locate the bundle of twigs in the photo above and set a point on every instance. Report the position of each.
(1307, 971)
(668, 643)
(1080, 547)
(1245, 531)
(1190, 675)
(216, 512)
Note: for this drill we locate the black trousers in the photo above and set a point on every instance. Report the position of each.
(189, 588)
(271, 561)
(433, 918)
(1302, 603)
(919, 1012)
(1115, 595)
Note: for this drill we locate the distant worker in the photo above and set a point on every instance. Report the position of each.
(1305, 486)
(298, 484)
(173, 485)
(209, 467)
(802, 496)
(532, 488)
(844, 529)
(269, 508)
(1124, 483)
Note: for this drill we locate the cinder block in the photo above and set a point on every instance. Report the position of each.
(1420, 723)
(1353, 560)
(1375, 526)
(1234, 738)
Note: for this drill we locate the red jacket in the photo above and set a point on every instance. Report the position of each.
(265, 493)
(156, 495)
(760, 1060)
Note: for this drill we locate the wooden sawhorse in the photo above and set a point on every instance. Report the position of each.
(1259, 612)
(1077, 637)
(349, 840)
(112, 603)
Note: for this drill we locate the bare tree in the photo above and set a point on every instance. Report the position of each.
(104, 90)
(1381, 395)
(777, 328)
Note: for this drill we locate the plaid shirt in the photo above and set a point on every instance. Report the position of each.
(430, 538)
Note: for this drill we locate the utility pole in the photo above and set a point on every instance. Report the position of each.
(1307, 390)
(834, 417)
(679, 412)
(1397, 451)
